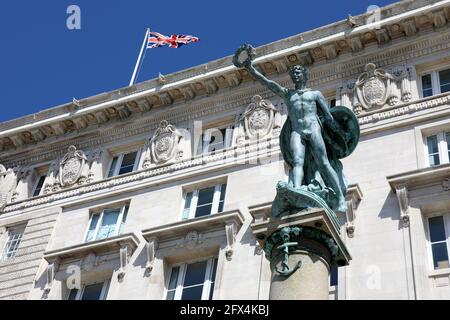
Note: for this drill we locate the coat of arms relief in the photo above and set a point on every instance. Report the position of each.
(73, 168)
(377, 87)
(165, 146)
(260, 119)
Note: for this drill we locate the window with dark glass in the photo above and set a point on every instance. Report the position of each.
(95, 291)
(436, 82)
(192, 281)
(427, 87)
(433, 150)
(438, 148)
(333, 276)
(122, 164)
(39, 185)
(444, 80)
(438, 239)
(332, 103)
(205, 201)
(447, 138)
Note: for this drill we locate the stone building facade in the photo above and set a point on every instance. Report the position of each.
(150, 191)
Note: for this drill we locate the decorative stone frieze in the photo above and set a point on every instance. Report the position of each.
(260, 119)
(405, 109)
(233, 156)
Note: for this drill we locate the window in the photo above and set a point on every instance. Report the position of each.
(12, 243)
(438, 240)
(95, 291)
(193, 281)
(202, 202)
(123, 163)
(427, 89)
(435, 82)
(108, 223)
(438, 148)
(444, 80)
(214, 139)
(333, 276)
(38, 186)
(332, 103)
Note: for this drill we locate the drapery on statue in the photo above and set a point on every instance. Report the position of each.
(313, 139)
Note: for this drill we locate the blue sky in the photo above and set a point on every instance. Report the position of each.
(44, 64)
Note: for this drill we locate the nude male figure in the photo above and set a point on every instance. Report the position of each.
(302, 104)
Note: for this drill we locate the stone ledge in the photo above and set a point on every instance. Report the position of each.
(98, 247)
(439, 273)
(354, 193)
(265, 225)
(200, 224)
(420, 178)
(193, 232)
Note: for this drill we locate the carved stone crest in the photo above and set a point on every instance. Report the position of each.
(71, 166)
(164, 144)
(373, 87)
(259, 119)
(89, 262)
(191, 240)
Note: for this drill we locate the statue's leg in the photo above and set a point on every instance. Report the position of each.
(330, 176)
(297, 145)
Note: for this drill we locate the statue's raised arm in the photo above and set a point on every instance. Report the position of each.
(247, 64)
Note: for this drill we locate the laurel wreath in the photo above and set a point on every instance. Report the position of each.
(250, 56)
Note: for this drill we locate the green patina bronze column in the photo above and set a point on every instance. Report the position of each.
(301, 236)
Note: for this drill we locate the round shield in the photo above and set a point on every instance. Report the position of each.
(344, 135)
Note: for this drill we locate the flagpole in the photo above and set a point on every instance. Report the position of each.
(138, 62)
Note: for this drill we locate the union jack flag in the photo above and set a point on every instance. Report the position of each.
(156, 39)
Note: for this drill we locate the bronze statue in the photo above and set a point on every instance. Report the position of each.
(313, 137)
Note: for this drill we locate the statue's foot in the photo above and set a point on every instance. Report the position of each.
(302, 187)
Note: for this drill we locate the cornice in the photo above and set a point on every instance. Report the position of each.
(379, 118)
(200, 224)
(419, 178)
(135, 126)
(99, 247)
